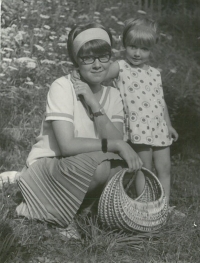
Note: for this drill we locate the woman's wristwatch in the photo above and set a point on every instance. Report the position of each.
(99, 113)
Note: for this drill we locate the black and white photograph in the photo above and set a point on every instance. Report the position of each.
(99, 131)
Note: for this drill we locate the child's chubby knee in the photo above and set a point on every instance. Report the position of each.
(164, 168)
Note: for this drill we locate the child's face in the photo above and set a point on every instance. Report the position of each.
(137, 55)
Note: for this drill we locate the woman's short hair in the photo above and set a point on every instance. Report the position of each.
(140, 32)
(96, 46)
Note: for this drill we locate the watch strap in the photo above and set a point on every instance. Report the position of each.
(99, 113)
(104, 145)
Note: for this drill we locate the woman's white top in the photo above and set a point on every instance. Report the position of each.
(62, 104)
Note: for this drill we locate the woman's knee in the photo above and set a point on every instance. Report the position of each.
(102, 173)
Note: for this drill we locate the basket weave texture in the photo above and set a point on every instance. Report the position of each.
(148, 212)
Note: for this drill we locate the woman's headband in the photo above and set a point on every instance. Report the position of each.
(88, 35)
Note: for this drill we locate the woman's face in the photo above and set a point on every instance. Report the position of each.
(94, 68)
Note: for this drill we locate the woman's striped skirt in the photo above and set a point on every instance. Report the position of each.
(54, 189)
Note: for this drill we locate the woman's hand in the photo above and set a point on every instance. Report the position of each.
(82, 88)
(173, 133)
(130, 156)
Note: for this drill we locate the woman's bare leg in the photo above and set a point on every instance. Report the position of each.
(104, 172)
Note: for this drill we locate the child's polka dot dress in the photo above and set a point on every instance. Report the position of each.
(144, 105)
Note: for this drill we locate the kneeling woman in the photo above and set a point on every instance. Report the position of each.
(81, 145)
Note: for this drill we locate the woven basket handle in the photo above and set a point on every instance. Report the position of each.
(130, 182)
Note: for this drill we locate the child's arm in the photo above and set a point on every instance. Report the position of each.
(113, 71)
(172, 132)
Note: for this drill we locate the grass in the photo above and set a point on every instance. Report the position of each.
(33, 54)
(178, 241)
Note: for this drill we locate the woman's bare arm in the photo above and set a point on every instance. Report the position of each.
(69, 145)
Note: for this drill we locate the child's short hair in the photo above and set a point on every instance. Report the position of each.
(140, 32)
(96, 46)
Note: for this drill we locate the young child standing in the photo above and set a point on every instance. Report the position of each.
(147, 124)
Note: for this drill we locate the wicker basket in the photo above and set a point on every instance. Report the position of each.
(148, 212)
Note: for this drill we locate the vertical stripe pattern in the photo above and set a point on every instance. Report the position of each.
(54, 188)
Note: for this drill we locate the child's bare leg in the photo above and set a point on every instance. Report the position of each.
(161, 156)
(145, 153)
